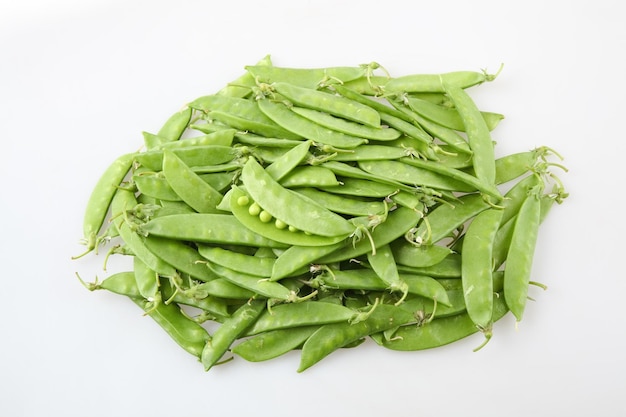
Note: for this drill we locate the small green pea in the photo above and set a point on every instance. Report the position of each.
(265, 216)
(244, 200)
(254, 209)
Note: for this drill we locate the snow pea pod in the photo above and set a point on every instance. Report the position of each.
(292, 208)
(304, 77)
(432, 83)
(303, 127)
(206, 228)
(328, 103)
(397, 224)
(521, 251)
(274, 343)
(331, 337)
(440, 331)
(191, 155)
(229, 331)
(198, 194)
(478, 134)
(476, 266)
(305, 313)
(448, 116)
(101, 197)
(379, 133)
(188, 334)
(241, 205)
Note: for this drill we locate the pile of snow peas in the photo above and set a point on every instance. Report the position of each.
(312, 209)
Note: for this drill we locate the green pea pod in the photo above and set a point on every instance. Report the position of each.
(188, 334)
(520, 255)
(304, 77)
(346, 126)
(440, 331)
(477, 261)
(292, 208)
(305, 313)
(397, 224)
(240, 262)
(101, 197)
(175, 126)
(229, 331)
(189, 186)
(328, 103)
(271, 344)
(478, 134)
(303, 127)
(205, 228)
(296, 257)
(331, 337)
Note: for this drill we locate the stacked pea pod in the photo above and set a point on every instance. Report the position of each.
(313, 208)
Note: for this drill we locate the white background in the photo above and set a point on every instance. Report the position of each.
(80, 80)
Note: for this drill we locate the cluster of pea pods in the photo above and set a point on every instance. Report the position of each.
(315, 208)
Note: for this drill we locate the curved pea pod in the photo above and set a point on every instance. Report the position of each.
(372, 152)
(101, 197)
(241, 114)
(422, 256)
(478, 134)
(175, 126)
(343, 204)
(448, 116)
(477, 266)
(301, 126)
(291, 208)
(192, 156)
(310, 176)
(446, 218)
(236, 261)
(398, 170)
(261, 286)
(188, 185)
(274, 343)
(206, 302)
(449, 267)
(225, 289)
(349, 171)
(122, 283)
(487, 188)
(360, 188)
(180, 256)
(147, 280)
(432, 83)
(288, 161)
(519, 259)
(205, 228)
(440, 331)
(397, 224)
(155, 186)
(445, 134)
(328, 103)
(378, 133)
(188, 334)
(305, 313)
(367, 279)
(304, 77)
(222, 137)
(292, 260)
(240, 205)
(229, 331)
(331, 337)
